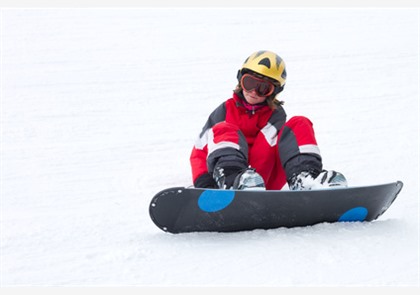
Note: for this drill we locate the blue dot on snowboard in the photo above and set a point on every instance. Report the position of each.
(354, 214)
(215, 200)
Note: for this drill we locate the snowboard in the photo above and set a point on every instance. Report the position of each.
(182, 210)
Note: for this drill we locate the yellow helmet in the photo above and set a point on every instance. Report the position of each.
(266, 63)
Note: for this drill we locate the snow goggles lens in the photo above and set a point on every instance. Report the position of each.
(262, 87)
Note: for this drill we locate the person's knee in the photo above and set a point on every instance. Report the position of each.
(298, 121)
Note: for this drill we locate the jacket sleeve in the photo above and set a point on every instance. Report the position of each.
(198, 158)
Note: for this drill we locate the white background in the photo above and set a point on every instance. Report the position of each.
(100, 109)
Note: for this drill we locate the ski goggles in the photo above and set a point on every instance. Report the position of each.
(262, 87)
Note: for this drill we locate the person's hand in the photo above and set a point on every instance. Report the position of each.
(205, 181)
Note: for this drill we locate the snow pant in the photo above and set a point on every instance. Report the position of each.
(275, 155)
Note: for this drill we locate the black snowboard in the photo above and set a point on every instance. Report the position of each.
(180, 209)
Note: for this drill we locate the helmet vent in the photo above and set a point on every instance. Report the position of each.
(278, 61)
(266, 62)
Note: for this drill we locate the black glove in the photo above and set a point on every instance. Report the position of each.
(205, 181)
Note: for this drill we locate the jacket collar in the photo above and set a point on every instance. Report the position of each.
(249, 108)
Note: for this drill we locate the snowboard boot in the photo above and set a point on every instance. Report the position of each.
(238, 179)
(249, 179)
(225, 176)
(308, 180)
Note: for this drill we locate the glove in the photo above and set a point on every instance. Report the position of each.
(205, 181)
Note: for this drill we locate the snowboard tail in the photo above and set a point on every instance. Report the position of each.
(180, 209)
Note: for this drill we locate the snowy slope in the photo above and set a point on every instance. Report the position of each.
(100, 109)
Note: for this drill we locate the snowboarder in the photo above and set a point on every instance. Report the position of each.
(247, 143)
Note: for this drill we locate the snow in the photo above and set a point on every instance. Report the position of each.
(100, 109)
